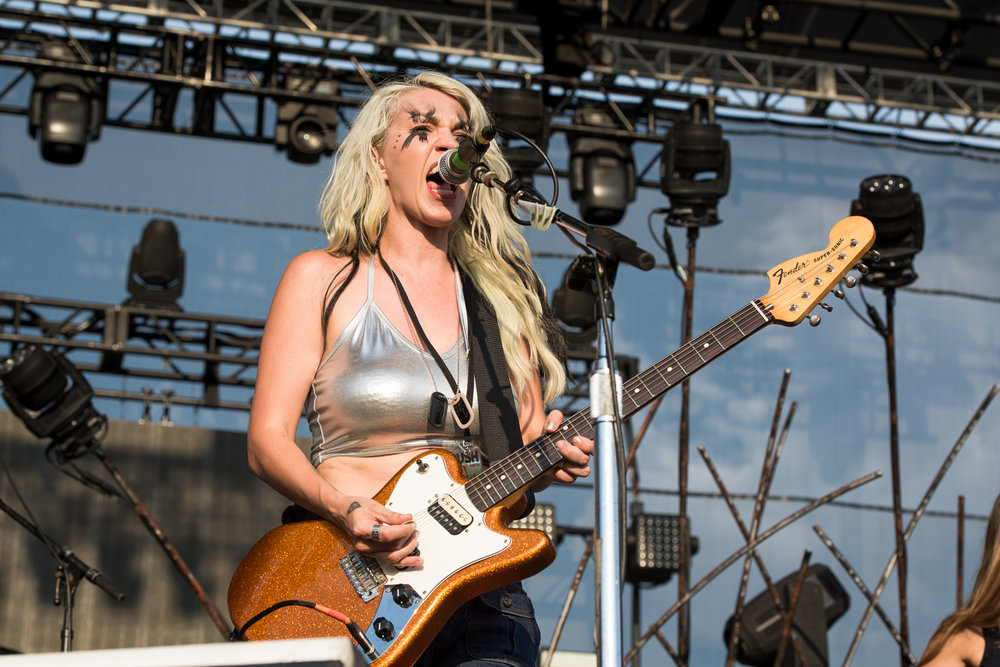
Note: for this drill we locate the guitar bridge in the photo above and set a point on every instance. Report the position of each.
(364, 573)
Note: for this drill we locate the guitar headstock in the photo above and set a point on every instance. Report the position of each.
(799, 284)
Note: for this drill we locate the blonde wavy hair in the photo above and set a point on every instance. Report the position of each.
(982, 609)
(484, 241)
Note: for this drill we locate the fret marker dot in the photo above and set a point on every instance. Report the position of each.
(503, 476)
(670, 368)
(636, 390)
(489, 486)
(519, 466)
(704, 346)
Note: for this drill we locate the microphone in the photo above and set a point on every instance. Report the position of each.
(455, 164)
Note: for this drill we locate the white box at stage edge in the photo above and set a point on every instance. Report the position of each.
(322, 652)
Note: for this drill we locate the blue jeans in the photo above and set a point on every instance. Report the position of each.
(496, 628)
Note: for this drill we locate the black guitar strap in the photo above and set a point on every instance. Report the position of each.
(498, 420)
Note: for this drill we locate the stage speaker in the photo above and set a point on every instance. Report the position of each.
(822, 601)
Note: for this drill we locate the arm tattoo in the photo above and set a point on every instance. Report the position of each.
(354, 506)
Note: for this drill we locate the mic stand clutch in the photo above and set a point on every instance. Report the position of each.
(69, 570)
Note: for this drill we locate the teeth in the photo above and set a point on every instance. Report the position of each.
(433, 171)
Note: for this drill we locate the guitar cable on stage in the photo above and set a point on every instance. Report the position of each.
(238, 634)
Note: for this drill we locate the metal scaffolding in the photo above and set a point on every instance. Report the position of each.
(209, 68)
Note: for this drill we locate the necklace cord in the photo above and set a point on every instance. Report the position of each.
(414, 321)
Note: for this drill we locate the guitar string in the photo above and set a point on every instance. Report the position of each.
(689, 352)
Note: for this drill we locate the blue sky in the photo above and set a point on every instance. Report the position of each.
(785, 195)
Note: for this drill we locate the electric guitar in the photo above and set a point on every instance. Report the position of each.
(289, 582)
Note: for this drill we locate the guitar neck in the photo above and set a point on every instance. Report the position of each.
(521, 468)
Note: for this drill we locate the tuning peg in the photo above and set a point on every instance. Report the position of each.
(814, 320)
(828, 308)
(862, 268)
(839, 293)
(850, 281)
(874, 254)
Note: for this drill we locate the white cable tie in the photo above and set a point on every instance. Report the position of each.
(540, 215)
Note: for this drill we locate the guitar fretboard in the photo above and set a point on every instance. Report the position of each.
(515, 471)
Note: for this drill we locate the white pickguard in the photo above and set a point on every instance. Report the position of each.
(443, 553)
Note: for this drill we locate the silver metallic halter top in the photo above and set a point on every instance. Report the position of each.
(371, 393)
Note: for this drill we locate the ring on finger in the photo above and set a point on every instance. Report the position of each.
(376, 528)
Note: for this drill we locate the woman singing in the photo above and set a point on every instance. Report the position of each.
(372, 334)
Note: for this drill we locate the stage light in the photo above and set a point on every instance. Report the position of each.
(654, 546)
(53, 399)
(822, 600)
(521, 110)
(307, 130)
(694, 171)
(574, 303)
(888, 200)
(156, 269)
(601, 170)
(65, 110)
(542, 517)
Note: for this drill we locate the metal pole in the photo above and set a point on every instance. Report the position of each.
(683, 439)
(607, 511)
(960, 553)
(605, 413)
(745, 549)
(897, 504)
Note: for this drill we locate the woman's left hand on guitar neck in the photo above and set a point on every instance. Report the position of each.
(576, 456)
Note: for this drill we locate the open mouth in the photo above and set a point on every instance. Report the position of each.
(439, 186)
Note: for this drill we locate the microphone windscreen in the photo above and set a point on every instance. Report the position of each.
(448, 172)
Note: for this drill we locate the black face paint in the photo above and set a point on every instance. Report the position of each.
(420, 130)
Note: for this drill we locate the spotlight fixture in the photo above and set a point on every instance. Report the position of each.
(694, 171)
(521, 110)
(574, 303)
(156, 270)
(654, 545)
(307, 130)
(66, 110)
(542, 517)
(37, 386)
(601, 170)
(888, 200)
(822, 600)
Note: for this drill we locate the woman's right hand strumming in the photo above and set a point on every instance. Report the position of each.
(379, 532)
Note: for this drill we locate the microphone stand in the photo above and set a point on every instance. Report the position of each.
(605, 412)
(606, 245)
(69, 570)
(124, 491)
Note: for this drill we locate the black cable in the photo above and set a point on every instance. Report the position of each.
(239, 634)
(147, 210)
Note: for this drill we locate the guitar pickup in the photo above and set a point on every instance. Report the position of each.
(452, 516)
(364, 573)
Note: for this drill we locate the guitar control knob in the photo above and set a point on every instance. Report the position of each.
(839, 293)
(814, 320)
(825, 306)
(862, 268)
(874, 254)
(850, 281)
(383, 628)
(403, 595)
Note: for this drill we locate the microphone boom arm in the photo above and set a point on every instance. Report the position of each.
(605, 241)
